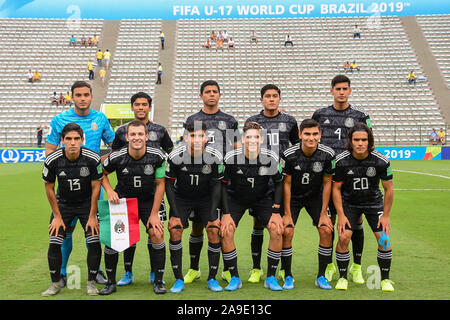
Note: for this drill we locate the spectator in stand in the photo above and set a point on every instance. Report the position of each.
(99, 57)
(213, 36)
(90, 42)
(54, 99)
(253, 38)
(162, 38)
(225, 37)
(434, 137)
(207, 44)
(159, 73)
(354, 66)
(102, 74)
(346, 67)
(68, 98)
(412, 78)
(83, 41)
(219, 44)
(72, 41)
(36, 76)
(288, 40)
(39, 133)
(30, 76)
(91, 70)
(356, 32)
(231, 44)
(179, 138)
(441, 136)
(95, 41)
(107, 58)
(61, 100)
(220, 37)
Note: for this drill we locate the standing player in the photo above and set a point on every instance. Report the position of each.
(193, 183)
(223, 135)
(335, 121)
(247, 174)
(141, 105)
(356, 191)
(280, 129)
(96, 128)
(78, 171)
(309, 167)
(140, 174)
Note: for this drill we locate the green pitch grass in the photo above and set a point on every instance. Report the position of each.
(419, 237)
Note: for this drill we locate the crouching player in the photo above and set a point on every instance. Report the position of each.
(356, 191)
(79, 175)
(247, 173)
(140, 174)
(309, 167)
(193, 184)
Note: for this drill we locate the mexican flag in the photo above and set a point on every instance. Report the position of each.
(119, 223)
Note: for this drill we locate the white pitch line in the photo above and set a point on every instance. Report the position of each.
(423, 173)
(421, 189)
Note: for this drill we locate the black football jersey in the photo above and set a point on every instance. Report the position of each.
(221, 128)
(74, 178)
(361, 178)
(136, 178)
(194, 176)
(248, 180)
(158, 137)
(335, 125)
(279, 130)
(307, 172)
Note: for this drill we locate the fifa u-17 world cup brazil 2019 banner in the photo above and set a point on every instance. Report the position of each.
(416, 153)
(119, 223)
(206, 9)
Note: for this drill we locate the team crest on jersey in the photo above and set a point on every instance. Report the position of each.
(94, 126)
(84, 171)
(371, 172)
(45, 171)
(282, 127)
(152, 136)
(349, 122)
(206, 169)
(119, 227)
(317, 167)
(222, 125)
(106, 162)
(148, 170)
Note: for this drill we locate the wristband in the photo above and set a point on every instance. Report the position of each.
(276, 210)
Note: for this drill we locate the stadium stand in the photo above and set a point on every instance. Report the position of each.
(304, 71)
(437, 33)
(38, 44)
(401, 113)
(135, 62)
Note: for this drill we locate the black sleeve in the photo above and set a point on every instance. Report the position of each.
(278, 198)
(293, 135)
(170, 193)
(97, 171)
(225, 207)
(119, 142)
(108, 164)
(166, 142)
(48, 173)
(216, 199)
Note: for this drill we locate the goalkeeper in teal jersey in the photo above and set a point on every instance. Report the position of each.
(96, 128)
